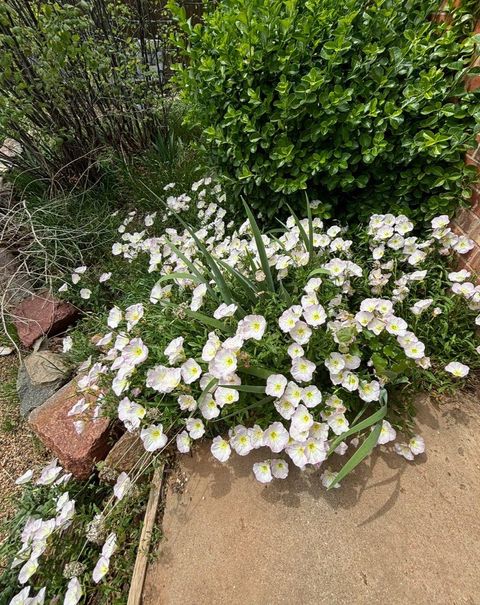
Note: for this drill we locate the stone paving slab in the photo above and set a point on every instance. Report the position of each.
(395, 533)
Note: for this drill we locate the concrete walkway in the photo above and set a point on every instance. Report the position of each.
(394, 533)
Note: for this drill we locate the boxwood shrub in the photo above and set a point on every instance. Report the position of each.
(363, 102)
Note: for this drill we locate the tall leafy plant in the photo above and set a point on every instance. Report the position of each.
(362, 102)
(78, 77)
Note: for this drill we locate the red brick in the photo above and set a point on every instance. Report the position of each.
(464, 219)
(42, 314)
(476, 201)
(76, 452)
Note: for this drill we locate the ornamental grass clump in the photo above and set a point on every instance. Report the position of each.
(304, 342)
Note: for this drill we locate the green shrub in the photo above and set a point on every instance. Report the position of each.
(75, 79)
(361, 102)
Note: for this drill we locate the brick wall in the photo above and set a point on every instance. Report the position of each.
(467, 220)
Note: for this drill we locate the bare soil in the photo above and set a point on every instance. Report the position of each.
(395, 533)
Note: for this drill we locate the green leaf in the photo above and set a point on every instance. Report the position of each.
(362, 452)
(261, 248)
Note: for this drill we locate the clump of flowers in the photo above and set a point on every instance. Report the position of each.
(302, 343)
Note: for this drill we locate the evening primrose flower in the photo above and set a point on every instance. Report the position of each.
(133, 314)
(311, 396)
(27, 570)
(319, 431)
(279, 468)
(226, 396)
(49, 473)
(25, 478)
(315, 315)
(335, 363)
(85, 293)
(153, 437)
(301, 333)
(208, 408)
(240, 441)
(296, 452)
(276, 384)
(122, 486)
(302, 420)
(295, 350)
(396, 325)
(415, 350)
(416, 445)
(457, 369)
(350, 381)
(420, 306)
(187, 402)
(135, 352)
(74, 592)
(191, 371)
(387, 433)
(302, 369)
(114, 317)
(223, 364)
(104, 277)
(225, 310)
(284, 407)
(275, 437)
(315, 451)
(163, 379)
(256, 436)
(338, 423)
(195, 428)
(101, 569)
(369, 391)
(289, 318)
(183, 442)
(252, 326)
(22, 597)
(211, 347)
(174, 351)
(220, 449)
(402, 449)
(262, 471)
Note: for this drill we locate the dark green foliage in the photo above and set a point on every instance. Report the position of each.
(362, 102)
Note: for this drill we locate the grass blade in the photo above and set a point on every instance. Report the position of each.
(260, 248)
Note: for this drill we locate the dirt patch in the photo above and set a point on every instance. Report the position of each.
(19, 448)
(395, 532)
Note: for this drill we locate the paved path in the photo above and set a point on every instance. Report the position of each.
(395, 533)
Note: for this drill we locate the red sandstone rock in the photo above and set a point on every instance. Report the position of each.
(42, 314)
(77, 453)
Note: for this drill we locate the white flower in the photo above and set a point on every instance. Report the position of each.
(22, 598)
(252, 326)
(110, 545)
(301, 333)
(153, 437)
(459, 276)
(311, 396)
(284, 407)
(420, 306)
(262, 471)
(279, 468)
(211, 347)
(208, 408)
(350, 381)
(369, 391)
(276, 384)
(396, 325)
(338, 423)
(122, 486)
(191, 371)
(104, 277)
(256, 436)
(319, 431)
(224, 363)
(130, 413)
(163, 379)
(302, 369)
(302, 420)
(328, 477)
(114, 317)
(457, 369)
(335, 363)
(27, 570)
(440, 221)
(135, 352)
(416, 445)
(174, 351)
(315, 451)
(101, 569)
(296, 451)
(387, 433)
(295, 350)
(315, 315)
(49, 473)
(133, 314)
(183, 442)
(275, 437)
(25, 478)
(220, 449)
(225, 310)
(289, 318)
(85, 293)
(74, 592)
(195, 428)
(226, 396)
(463, 245)
(240, 441)
(415, 350)
(187, 402)
(402, 449)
